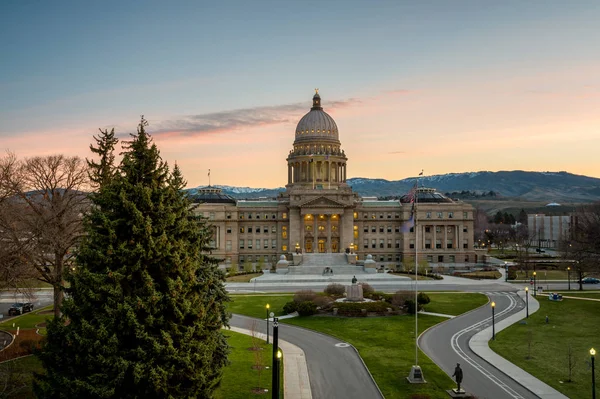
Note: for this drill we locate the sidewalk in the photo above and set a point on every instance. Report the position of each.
(296, 384)
(479, 345)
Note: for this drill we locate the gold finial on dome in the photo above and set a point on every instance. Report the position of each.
(317, 90)
(317, 100)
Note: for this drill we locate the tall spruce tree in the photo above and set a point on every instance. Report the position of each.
(147, 303)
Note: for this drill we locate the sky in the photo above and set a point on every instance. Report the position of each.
(443, 86)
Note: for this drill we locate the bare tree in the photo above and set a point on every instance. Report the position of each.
(584, 243)
(46, 199)
(571, 361)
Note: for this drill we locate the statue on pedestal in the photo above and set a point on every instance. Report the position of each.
(354, 280)
(458, 373)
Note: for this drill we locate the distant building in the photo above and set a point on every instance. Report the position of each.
(547, 231)
(320, 213)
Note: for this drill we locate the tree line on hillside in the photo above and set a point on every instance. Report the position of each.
(145, 301)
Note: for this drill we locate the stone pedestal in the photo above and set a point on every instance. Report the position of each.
(454, 393)
(282, 265)
(351, 258)
(370, 265)
(354, 293)
(416, 375)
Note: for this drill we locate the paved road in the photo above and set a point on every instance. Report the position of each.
(447, 344)
(334, 371)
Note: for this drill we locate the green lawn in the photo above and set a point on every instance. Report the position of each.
(454, 303)
(242, 278)
(582, 294)
(571, 322)
(482, 275)
(27, 320)
(543, 275)
(254, 305)
(239, 377)
(386, 344)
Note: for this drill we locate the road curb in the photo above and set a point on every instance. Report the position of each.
(479, 345)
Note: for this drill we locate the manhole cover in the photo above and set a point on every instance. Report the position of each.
(342, 345)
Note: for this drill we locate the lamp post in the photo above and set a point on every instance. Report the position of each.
(274, 378)
(493, 320)
(569, 276)
(534, 285)
(527, 301)
(276, 388)
(268, 322)
(505, 271)
(593, 355)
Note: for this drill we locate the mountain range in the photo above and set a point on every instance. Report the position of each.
(527, 186)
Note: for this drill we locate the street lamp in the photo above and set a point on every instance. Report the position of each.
(569, 276)
(493, 321)
(274, 377)
(534, 285)
(593, 355)
(268, 323)
(527, 301)
(505, 271)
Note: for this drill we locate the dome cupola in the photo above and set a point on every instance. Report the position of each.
(317, 125)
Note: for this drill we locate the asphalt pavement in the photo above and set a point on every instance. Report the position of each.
(448, 343)
(335, 369)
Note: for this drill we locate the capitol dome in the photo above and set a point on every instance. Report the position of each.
(317, 124)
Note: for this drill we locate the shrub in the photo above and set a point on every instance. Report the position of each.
(376, 295)
(304, 296)
(335, 289)
(400, 298)
(410, 306)
(367, 289)
(307, 308)
(323, 302)
(423, 298)
(355, 308)
(290, 307)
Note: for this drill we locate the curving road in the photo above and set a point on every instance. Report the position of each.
(448, 343)
(334, 371)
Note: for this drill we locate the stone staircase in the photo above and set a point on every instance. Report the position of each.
(315, 264)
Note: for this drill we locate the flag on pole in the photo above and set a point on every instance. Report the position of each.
(209, 173)
(410, 223)
(421, 174)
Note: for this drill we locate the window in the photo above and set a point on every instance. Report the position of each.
(428, 215)
(333, 228)
(266, 216)
(465, 229)
(257, 244)
(249, 229)
(451, 258)
(266, 243)
(381, 229)
(366, 229)
(228, 230)
(381, 258)
(241, 244)
(373, 229)
(412, 229)
(241, 215)
(365, 243)
(449, 244)
(467, 258)
(429, 258)
(397, 243)
(438, 244)
(440, 215)
(308, 227)
(249, 244)
(450, 215)
(211, 216)
(366, 215)
(273, 244)
(273, 216)
(465, 244)
(284, 232)
(250, 258)
(228, 215)
(211, 243)
(258, 230)
(440, 258)
(373, 243)
(242, 260)
(381, 216)
(412, 244)
(284, 248)
(398, 258)
(438, 229)
(355, 215)
(249, 216)
(427, 244)
(389, 229)
(389, 242)
(389, 215)
(389, 258)
(450, 229)
(397, 215)
(465, 215)
(228, 245)
(373, 216)
(242, 229)
(397, 229)
(427, 229)
(284, 215)
(266, 229)
(274, 229)
(381, 243)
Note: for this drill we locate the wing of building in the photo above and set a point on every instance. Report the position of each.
(319, 213)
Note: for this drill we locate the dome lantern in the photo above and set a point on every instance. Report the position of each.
(317, 101)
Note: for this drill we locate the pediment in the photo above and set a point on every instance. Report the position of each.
(322, 202)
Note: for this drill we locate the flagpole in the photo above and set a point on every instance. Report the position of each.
(416, 275)
(209, 178)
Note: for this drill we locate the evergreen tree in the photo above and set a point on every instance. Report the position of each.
(146, 305)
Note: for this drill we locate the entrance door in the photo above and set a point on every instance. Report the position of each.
(309, 245)
(322, 246)
(335, 246)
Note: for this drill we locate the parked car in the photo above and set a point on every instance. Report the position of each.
(20, 308)
(590, 280)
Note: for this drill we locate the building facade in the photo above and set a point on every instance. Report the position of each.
(320, 213)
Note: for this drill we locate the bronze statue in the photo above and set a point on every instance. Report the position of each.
(354, 280)
(458, 373)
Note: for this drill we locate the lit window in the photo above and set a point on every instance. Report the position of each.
(242, 230)
(284, 215)
(284, 232)
(284, 248)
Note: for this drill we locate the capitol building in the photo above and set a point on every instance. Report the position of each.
(319, 213)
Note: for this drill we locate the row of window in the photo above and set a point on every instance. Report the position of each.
(257, 258)
(438, 244)
(382, 243)
(258, 215)
(265, 244)
(254, 229)
(397, 229)
(445, 258)
(440, 215)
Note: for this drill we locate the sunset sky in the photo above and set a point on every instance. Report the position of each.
(444, 86)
